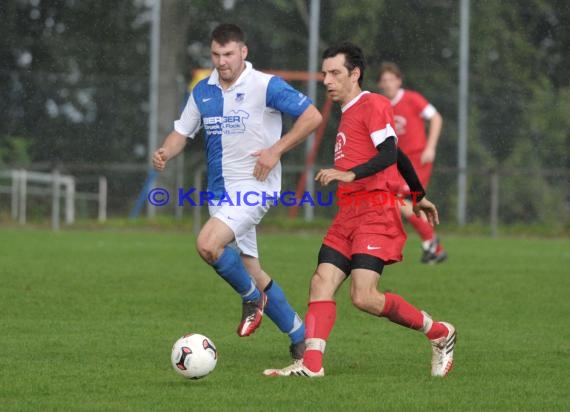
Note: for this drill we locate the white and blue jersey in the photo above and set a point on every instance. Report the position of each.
(239, 121)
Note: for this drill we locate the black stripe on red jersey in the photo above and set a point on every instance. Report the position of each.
(387, 155)
(406, 169)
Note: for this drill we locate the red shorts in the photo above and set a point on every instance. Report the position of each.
(368, 229)
(423, 172)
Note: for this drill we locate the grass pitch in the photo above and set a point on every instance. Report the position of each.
(87, 320)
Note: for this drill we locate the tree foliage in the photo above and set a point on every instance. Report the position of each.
(74, 74)
(76, 77)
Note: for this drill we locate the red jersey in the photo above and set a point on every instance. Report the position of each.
(410, 111)
(366, 121)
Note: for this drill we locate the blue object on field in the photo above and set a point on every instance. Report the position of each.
(142, 198)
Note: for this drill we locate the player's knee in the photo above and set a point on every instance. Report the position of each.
(358, 300)
(321, 288)
(206, 250)
(317, 283)
(362, 299)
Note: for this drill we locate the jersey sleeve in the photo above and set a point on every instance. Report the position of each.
(428, 112)
(190, 119)
(283, 97)
(381, 123)
(422, 107)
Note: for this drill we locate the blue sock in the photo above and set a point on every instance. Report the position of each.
(282, 314)
(230, 267)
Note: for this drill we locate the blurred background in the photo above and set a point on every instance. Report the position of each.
(89, 88)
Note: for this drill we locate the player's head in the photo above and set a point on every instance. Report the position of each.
(389, 79)
(228, 51)
(343, 71)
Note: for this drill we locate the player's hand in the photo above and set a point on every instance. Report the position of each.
(159, 159)
(266, 161)
(428, 208)
(326, 176)
(428, 156)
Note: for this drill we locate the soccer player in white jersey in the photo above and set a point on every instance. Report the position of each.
(241, 111)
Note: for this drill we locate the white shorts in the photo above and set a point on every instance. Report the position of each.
(241, 219)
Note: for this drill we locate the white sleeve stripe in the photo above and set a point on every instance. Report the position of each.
(428, 112)
(379, 136)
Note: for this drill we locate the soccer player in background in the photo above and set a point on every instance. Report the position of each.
(365, 235)
(411, 111)
(241, 111)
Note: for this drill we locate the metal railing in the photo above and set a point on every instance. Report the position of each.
(26, 183)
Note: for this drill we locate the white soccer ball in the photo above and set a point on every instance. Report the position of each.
(194, 356)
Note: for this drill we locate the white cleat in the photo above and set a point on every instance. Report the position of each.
(442, 352)
(296, 369)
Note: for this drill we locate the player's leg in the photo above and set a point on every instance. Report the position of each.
(332, 269)
(441, 334)
(364, 293)
(366, 297)
(278, 308)
(367, 264)
(214, 246)
(241, 221)
(319, 321)
(432, 249)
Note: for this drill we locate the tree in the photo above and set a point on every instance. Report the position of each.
(77, 75)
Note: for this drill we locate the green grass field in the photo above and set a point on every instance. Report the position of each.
(87, 320)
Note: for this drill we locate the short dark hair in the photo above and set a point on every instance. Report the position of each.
(389, 67)
(354, 57)
(227, 32)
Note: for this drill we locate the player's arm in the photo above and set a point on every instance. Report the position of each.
(187, 126)
(172, 146)
(305, 124)
(386, 156)
(406, 169)
(420, 202)
(435, 124)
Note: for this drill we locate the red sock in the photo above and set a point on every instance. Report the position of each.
(437, 331)
(439, 248)
(319, 322)
(424, 229)
(401, 312)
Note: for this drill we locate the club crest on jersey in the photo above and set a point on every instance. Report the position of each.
(240, 97)
(340, 142)
(400, 122)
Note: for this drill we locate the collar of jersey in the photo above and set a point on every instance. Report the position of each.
(353, 101)
(397, 97)
(215, 79)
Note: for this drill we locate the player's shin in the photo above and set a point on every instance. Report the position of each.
(319, 322)
(422, 227)
(399, 311)
(282, 314)
(231, 268)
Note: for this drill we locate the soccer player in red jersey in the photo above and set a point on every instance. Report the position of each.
(411, 111)
(365, 235)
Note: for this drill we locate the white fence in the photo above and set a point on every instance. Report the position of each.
(55, 185)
